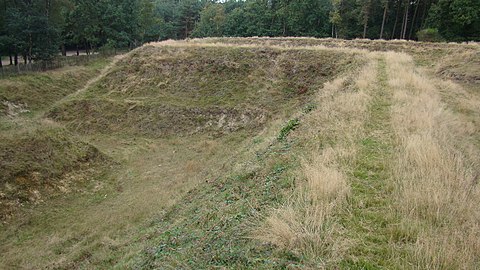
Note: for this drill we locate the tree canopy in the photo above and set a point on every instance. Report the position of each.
(40, 29)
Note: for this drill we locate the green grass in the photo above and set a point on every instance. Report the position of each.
(36, 156)
(210, 227)
(41, 90)
(290, 126)
(369, 222)
(167, 90)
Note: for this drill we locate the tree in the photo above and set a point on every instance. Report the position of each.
(405, 19)
(149, 24)
(31, 33)
(366, 6)
(212, 21)
(189, 12)
(385, 9)
(335, 17)
(456, 20)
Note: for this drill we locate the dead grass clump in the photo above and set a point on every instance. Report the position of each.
(438, 190)
(306, 223)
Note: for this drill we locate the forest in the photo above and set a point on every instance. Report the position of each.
(33, 30)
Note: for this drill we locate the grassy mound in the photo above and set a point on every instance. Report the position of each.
(40, 90)
(35, 162)
(184, 88)
(452, 60)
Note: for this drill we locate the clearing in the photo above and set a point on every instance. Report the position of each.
(246, 153)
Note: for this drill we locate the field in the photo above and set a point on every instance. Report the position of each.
(245, 153)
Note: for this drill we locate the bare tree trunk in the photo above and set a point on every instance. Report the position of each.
(414, 20)
(11, 60)
(30, 47)
(403, 25)
(384, 18)
(47, 8)
(424, 13)
(186, 28)
(16, 59)
(396, 19)
(366, 16)
(1, 63)
(405, 20)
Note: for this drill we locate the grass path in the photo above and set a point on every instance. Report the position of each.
(369, 217)
(102, 74)
(90, 82)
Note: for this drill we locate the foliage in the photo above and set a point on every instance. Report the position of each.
(456, 20)
(430, 35)
(36, 30)
(212, 21)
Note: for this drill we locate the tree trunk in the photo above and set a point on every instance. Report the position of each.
(1, 64)
(186, 28)
(384, 18)
(47, 8)
(30, 47)
(11, 60)
(366, 15)
(405, 20)
(16, 59)
(424, 14)
(78, 52)
(64, 50)
(413, 20)
(396, 19)
(403, 24)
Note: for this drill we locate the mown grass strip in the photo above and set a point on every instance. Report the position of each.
(368, 219)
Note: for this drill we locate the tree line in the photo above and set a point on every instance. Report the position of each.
(41, 29)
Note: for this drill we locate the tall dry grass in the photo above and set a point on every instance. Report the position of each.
(307, 223)
(438, 196)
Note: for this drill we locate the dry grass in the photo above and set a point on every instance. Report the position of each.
(307, 223)
(178, 87)
(435, 168)
(438, 193)
(38, 91)
(156, 172)
(467, 70)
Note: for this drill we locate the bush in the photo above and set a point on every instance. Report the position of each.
(430, 35)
